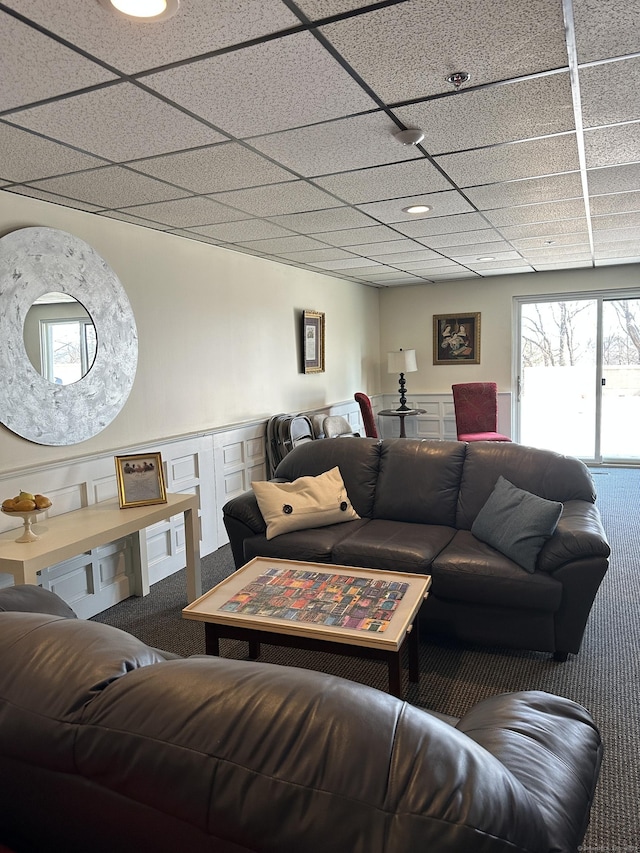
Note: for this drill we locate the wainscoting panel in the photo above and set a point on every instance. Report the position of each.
(239, 457)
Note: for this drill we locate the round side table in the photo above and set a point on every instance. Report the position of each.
(401, 414)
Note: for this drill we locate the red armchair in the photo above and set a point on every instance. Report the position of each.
(368, 418)
(476, 408)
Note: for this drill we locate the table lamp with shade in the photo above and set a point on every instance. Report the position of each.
(402, 361)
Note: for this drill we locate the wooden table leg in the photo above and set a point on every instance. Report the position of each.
(395, 673)
(211, 639)
(413, 639)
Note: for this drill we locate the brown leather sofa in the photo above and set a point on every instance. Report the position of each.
(107, 746)
(418, 501)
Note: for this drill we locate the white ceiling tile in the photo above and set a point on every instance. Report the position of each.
(461, 253)
(605, 28)
(394, 258)
(243, 231)
(272, 86)
(54, 199)
(429, 225)
(353, 236)
(528, 191)
(548, 212)
(216, 168)
(134, 220)
(336, 146)
(512, 161)
(386, 47)
(434, 263)
(441, 204)
(477, 117)
(186, 213)
(133, 46)
(546, 242)
(367, 270)
(320, 220)
(609, 92)
(625, 249)
(437, 241)
(284, 245)
(544, 228)
(608, 146)
(315, 256)
(389, 247)
(617, 203)
(316, 9)
(560, 253)
(616, 220)
(110, 187)
(27, 157)
(34, 67)
(276, 199)
(613, 235)
(478, 261)
(614, 179)
(102, 120)
(382, 182)
(193, 235)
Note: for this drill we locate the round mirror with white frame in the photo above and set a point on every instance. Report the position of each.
(39, 261)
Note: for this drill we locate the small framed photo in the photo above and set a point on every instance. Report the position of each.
(140, 480)
(313, 341)
(456, 338)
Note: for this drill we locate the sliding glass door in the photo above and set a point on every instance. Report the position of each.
(578, 376)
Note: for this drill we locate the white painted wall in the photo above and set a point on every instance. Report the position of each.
(407, 321)
(219, 334)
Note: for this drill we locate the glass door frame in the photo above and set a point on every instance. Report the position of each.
(600, 297)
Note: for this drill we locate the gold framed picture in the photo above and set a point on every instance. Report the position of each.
(313, 341)
(140, 480)
(456, 338)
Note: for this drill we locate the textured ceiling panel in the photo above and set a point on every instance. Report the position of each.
(270, 128)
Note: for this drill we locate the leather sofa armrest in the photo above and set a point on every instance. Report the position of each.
(579, 534)
(29, 598)
(242, 520)
(245, 509)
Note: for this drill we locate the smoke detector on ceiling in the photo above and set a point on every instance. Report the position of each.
(411, 136)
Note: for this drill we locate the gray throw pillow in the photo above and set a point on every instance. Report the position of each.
(516, 523)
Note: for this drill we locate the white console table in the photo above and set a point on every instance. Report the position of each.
(65, 536)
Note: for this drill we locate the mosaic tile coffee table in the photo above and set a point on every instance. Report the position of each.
(317, 607)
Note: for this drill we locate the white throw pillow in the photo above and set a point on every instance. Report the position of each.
(306, 502)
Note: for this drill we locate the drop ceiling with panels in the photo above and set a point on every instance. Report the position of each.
(267, 127)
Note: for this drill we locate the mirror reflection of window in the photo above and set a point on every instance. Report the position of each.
(60, 338)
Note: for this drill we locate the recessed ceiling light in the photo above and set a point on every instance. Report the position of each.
(485, 258)
(417, 208)
(142, 10)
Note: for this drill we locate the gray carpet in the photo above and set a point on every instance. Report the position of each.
(604, 677)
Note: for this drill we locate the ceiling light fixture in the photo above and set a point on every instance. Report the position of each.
(486, 258)
(458, 78)
(410, 136)
(417, 208)
(148, 11)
